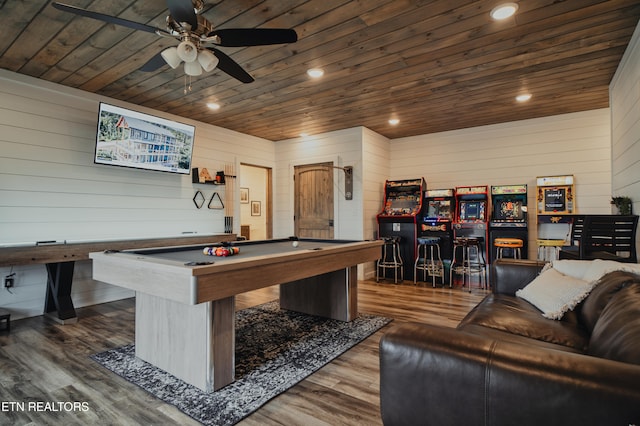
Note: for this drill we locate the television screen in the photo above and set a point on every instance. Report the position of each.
(132, 139)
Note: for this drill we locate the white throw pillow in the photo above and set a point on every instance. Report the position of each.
(555, 293)
(598, 267)
(573, 268)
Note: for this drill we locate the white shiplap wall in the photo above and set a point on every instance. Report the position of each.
(367, 152)
(625, 124)
(343, 148)
(516, 153)
(624, 99)
(51, 190)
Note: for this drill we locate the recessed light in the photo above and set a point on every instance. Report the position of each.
(394, 121)
(524, 97)
(315, 72)
(214, 106)
(504, 11)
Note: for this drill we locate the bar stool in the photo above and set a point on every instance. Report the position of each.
(391, 259)
(546, 246)
(514, 244)
(428, 260)
(471, 263)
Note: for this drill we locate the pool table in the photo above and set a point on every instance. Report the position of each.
(185, 300)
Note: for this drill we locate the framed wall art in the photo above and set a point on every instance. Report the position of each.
(256, 209)
(244, 195)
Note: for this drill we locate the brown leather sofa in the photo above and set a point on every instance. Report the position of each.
(506, 364)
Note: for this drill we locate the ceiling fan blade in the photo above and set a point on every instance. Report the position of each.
(154, 63)
(107, 18)
(237, 37)
(231, 67)
(182, 11)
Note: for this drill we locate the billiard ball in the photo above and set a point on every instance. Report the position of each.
(295, 244)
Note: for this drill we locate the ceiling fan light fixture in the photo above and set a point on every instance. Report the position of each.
(187, 51)
(192, 68)
(171, 57)
(504, 11)
(208, 60)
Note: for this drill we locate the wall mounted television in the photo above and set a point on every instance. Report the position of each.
(133, 139)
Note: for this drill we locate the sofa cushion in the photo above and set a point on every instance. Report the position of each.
(555, 293)
(516, 316)
(616, 335)
(590, 309)
(504, 336)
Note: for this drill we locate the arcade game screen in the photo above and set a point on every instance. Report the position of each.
(400, 204)
(440, 209)
(555, 199)
(509, 210)
(472, 211)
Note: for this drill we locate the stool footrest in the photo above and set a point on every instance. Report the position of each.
(390, 259)
(468, 259)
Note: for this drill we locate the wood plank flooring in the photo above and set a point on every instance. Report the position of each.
(44, 362)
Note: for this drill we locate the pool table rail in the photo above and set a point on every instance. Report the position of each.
(234, 275)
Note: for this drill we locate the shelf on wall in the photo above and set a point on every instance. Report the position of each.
(203, 176)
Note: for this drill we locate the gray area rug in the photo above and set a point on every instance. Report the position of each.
(275, 349)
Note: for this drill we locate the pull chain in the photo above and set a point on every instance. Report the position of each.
(187, 88)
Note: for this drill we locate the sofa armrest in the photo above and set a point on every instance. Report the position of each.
(509, 275)
(435, 375)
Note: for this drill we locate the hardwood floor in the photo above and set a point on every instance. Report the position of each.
(42, 362)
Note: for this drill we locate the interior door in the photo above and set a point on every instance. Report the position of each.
(256, 222)
(313, 194)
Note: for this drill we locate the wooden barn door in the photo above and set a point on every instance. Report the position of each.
(313, 194)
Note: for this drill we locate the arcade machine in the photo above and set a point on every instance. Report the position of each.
(508, 217)
(436, 221)
(471, 221)
(472, 213)
(555, 210)
(402, 207)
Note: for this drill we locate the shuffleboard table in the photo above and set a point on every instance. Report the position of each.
(60, 258)
(185, 299)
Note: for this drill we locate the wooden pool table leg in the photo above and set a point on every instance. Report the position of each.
(195, 343)
(331, 295)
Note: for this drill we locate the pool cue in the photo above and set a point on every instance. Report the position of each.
(228, 196)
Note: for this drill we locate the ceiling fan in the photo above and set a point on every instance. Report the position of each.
(195, 32)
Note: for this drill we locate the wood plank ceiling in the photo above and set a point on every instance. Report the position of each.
(435, 65)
